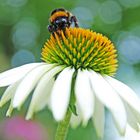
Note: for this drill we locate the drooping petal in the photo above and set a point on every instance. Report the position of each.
(75, 121)
(8, 94)
(131, 134)
(10, 110)
(28, 84)
(126, 93)
(40, 99)
(131, 118)
(11, 76)
(105, 93)
(42, 92)
(7, 97)
(99, 118)
(84, 95)
(60, 95)
(42, 102)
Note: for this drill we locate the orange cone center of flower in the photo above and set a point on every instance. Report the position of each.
(81, 48)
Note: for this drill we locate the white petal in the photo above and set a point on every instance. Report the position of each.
(60, 95)
(99, 118)
(84, 95)
(10, 110)
(75, 121)
(105, 93)
(132, 120)
(42, 92)
(126, 93)
(11, 76)
(8, 94)
(28, 84)
(131, 134)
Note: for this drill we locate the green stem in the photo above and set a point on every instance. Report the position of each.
(63, 126)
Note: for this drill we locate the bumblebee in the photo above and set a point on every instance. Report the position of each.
(61, 19)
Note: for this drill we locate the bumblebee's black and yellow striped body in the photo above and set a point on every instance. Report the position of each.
(61, 19)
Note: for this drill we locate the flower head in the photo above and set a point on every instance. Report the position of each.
(76, 75)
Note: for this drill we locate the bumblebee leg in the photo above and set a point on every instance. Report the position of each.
(50, 28)
(74, 19)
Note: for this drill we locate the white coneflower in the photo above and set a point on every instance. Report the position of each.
(75, 77)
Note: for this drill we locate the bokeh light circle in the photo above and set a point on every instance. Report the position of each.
(130, 3)
(84, 16)
(16, 3)
(110, 12)
(129, 49)
(25, 33)
(22, 57)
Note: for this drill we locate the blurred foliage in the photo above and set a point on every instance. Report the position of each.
(23, 32)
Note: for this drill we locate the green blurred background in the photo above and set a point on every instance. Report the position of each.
(23, 31)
